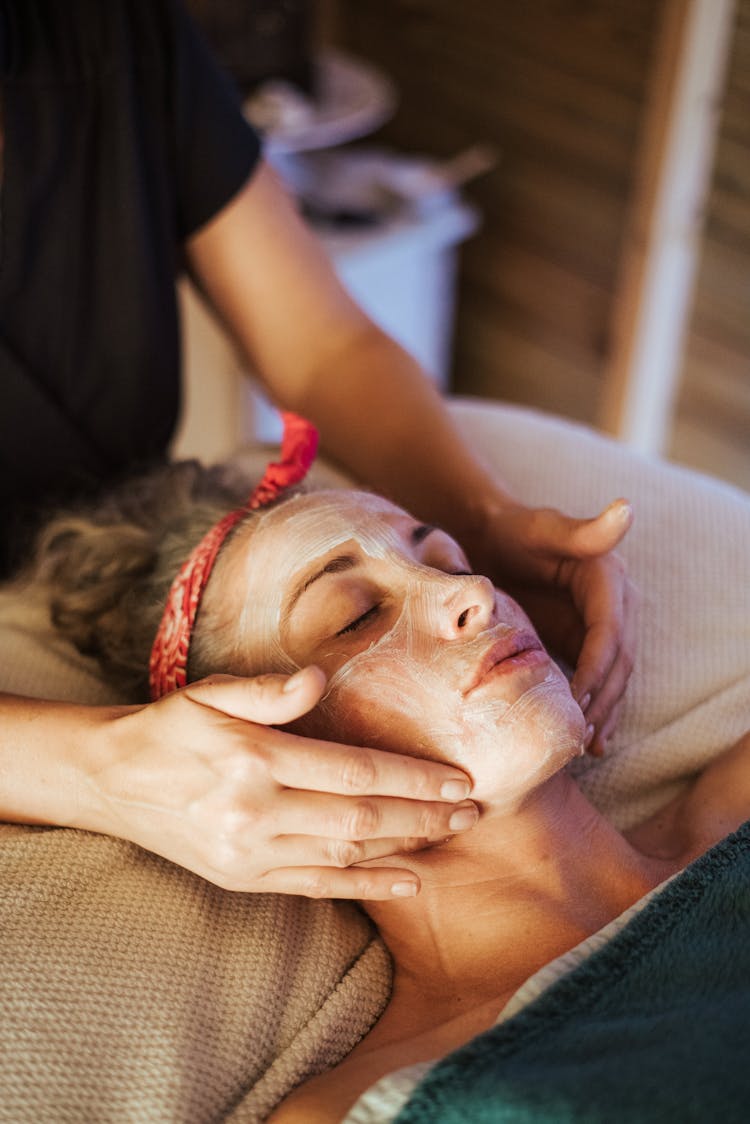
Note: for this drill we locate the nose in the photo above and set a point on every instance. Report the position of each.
(469, 608)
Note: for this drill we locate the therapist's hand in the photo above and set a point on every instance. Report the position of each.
(201, 778)
(565, 574)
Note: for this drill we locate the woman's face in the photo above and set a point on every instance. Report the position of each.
(423, 657)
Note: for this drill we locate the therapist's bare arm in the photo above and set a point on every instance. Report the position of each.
(379, 417)
(200, 778)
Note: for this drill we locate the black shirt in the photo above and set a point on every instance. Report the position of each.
(122, 137)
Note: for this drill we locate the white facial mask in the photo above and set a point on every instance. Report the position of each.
(415, 673)
(410, 685)
(310, 532)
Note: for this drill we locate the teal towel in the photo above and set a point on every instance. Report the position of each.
(655, 1026)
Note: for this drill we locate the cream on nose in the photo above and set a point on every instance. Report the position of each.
(469, 609)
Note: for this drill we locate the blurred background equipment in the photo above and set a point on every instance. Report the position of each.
(624, 136)
(390, 222)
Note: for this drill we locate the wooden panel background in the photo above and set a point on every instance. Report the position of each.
(712, 427)
(559, 86)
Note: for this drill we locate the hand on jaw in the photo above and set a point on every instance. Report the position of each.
(567, 576)
(201, 778)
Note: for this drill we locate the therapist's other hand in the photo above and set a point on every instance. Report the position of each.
(565, 573)
(203, 779)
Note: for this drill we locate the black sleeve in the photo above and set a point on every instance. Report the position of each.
(216, 148)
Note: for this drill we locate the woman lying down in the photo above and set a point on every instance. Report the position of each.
(424, 657)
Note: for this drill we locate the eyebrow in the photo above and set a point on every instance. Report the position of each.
(335, 566)
(345, 562)
(420, 533)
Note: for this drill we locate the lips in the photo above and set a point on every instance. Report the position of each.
(506, 648)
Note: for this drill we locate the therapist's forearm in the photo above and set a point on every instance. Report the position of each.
(274, 287)
(383, 419)
(43, 754)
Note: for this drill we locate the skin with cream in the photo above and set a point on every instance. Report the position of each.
(422, 656)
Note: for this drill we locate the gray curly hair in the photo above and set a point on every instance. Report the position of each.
(105, 570)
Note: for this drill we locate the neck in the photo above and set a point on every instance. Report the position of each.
(520, 888)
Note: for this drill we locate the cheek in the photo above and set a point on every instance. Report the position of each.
(379, 703)
(390, 704)
(387, 699)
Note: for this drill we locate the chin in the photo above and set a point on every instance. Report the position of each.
(511, 752)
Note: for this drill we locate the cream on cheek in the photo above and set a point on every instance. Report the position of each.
(407, 693)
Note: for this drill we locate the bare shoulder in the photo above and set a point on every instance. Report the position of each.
(310, 1107)
(714, 805)
(401, 1038)
(719, 800)
(327, 1098)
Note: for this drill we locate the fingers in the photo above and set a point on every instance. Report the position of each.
(605, 600)
(325, 766)
(266, 699)
(606, 702)
(357, 805)
(600, 535)
(367, 884)
(601, 735)
(606, 659)
(602, 607)
(355, 771)
(294, 850)
(345, 819)
(550, 532)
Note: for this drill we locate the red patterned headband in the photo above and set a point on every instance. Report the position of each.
(169, 655)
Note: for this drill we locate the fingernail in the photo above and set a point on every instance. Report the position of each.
(293, 682)
(464, 818)
(588, 736)
(584, 702)
(623, 510)
(455, 790)
(404, 889)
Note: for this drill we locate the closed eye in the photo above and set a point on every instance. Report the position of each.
(360, 621)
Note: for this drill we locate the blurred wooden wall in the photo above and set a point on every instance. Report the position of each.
(712, 426)
(559, 87)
